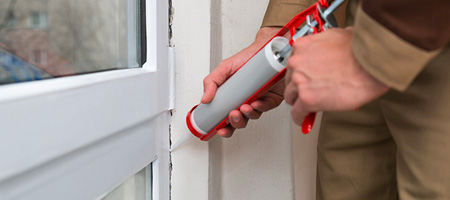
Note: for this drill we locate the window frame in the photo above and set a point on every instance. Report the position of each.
(79, 137)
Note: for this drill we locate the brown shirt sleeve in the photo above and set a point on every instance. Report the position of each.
(279, 12)
(394, 41)
(423, 23)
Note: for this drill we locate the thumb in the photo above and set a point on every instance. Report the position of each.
(222, 72)
(209, 90)
(215, 79)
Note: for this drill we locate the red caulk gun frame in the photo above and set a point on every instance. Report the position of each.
(321, 14)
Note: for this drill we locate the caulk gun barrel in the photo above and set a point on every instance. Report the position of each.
(249, 79)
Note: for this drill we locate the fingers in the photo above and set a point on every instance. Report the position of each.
(215, 79)
(288, 76)
(210, 85)
(263, 104)
(237, 120)
(302, 42)
(249, 112)
(298, 113)
(209, 90)
(267, 102)
(291, 93)
(226, 132)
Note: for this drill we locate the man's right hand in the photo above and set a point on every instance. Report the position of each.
(270, 100)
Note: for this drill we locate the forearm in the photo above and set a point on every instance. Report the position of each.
(264, 34)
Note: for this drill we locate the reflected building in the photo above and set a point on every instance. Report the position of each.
(65, 37)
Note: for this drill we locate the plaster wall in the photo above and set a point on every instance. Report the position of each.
(191, 40)
(257, 161)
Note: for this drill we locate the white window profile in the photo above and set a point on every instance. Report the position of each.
(79, 137)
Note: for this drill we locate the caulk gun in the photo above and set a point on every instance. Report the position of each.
(256, 76)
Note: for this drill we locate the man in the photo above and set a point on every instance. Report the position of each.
(384, 85)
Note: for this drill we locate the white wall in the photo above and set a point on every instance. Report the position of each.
(191, 38)
(305, 160)
(259, 162)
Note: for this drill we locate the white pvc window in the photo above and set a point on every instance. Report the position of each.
(79, 137)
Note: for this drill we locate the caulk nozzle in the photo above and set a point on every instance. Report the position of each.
(181, 142)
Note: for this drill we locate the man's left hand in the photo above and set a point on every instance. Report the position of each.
(323, 75)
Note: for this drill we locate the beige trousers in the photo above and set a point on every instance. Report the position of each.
(396, 147)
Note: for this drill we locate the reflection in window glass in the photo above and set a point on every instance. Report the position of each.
(43, 39)
(136, 187)
(38, 20)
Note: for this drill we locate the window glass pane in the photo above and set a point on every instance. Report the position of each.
(43, 39)
(137, 187)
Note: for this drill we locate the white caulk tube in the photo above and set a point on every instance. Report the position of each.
(242, 85)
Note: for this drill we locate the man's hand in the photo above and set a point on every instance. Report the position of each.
(323, 75)
(270, 100)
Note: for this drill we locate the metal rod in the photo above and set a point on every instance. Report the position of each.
(333, 7)
(280, 55)
(305, 29)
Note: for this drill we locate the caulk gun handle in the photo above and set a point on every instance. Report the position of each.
(311, 117)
